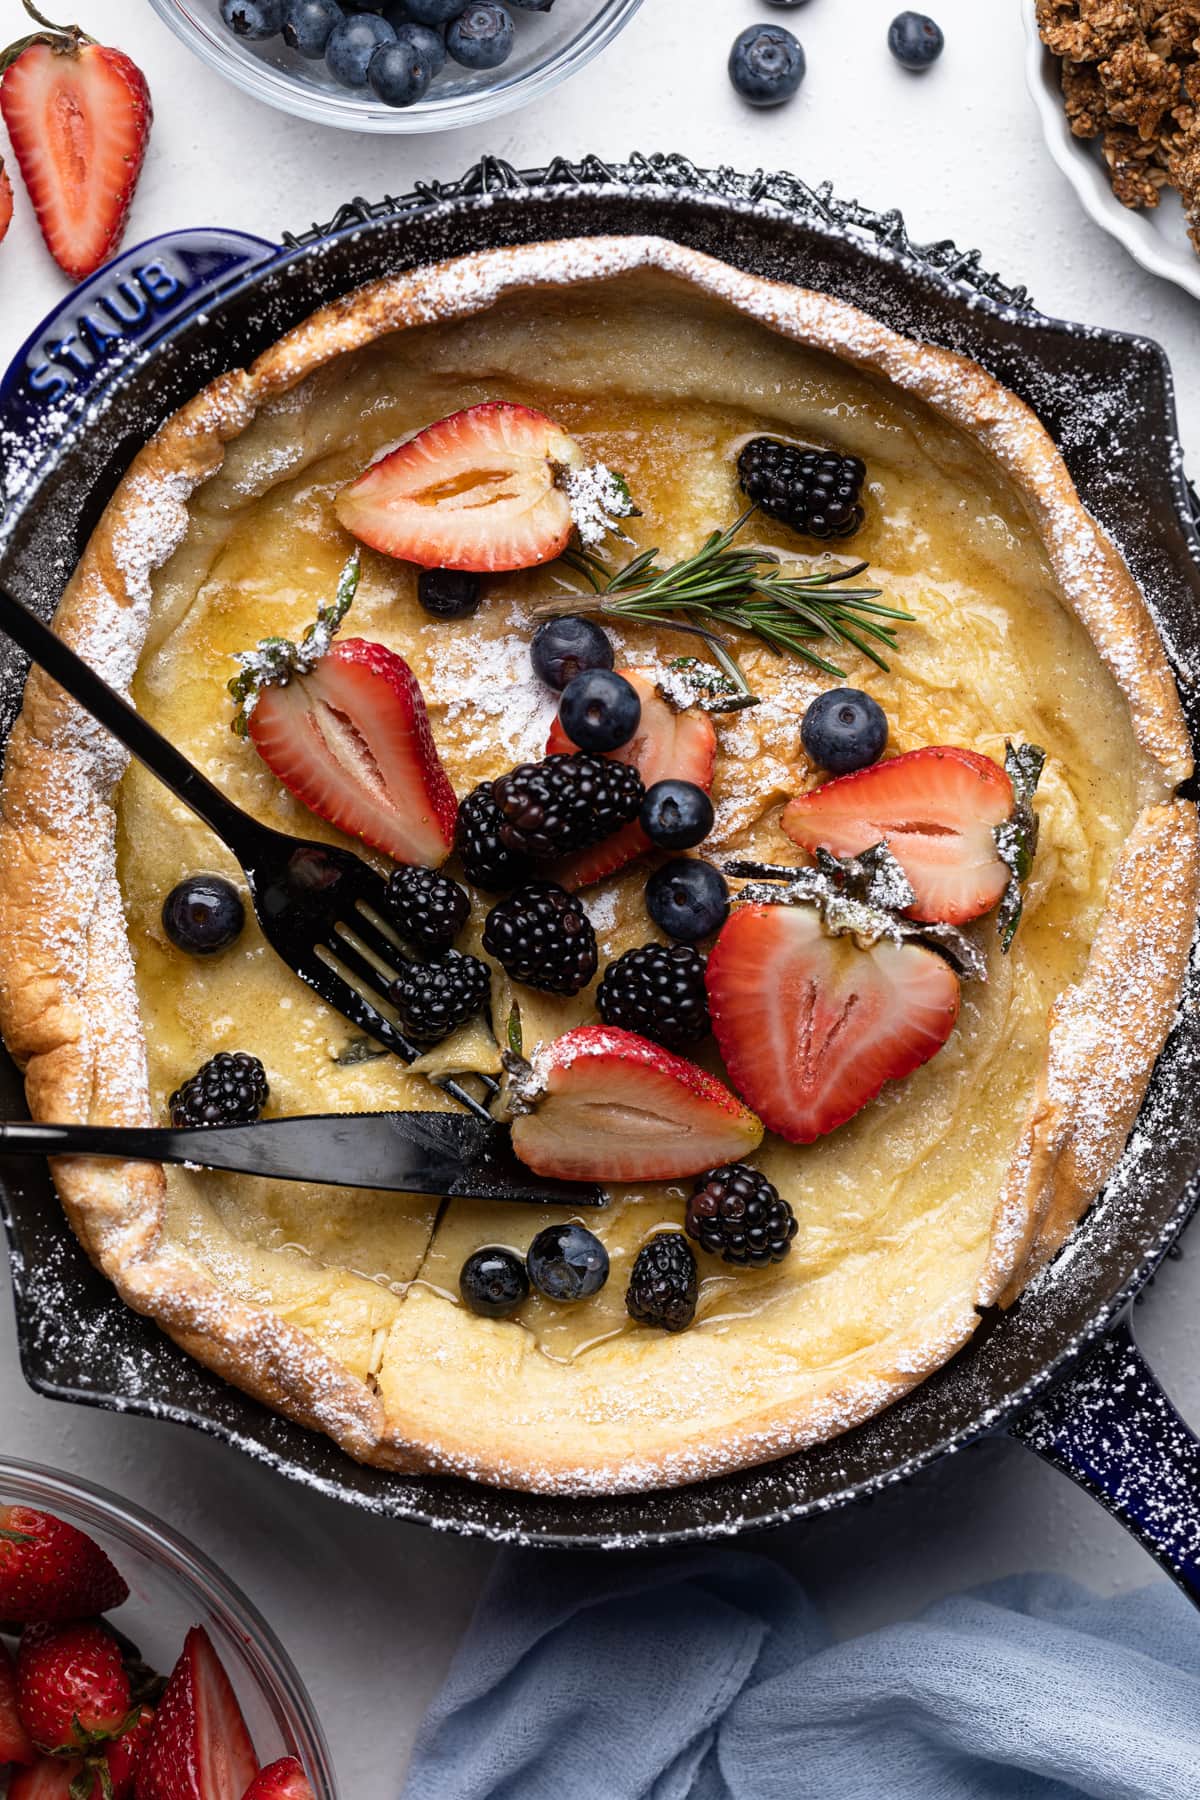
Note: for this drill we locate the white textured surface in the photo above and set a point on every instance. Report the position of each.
(371, 1611)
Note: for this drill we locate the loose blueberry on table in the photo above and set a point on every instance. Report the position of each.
(915, 40)
(766, 64)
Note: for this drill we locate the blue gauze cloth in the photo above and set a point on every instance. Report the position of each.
(712, 1677)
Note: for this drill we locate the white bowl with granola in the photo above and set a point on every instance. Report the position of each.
(1112, 85)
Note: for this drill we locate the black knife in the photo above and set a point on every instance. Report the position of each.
(452, 1154)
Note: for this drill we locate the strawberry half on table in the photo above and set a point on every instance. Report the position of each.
(810, 1025)
(345, 729)
(6, 201)
(482, 490)
(668, 745)
(604, 1104)
(78, 114)
(959, 825)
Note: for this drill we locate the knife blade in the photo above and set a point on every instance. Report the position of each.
(452, 1154)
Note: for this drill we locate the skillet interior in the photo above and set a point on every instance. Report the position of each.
(1107, 401)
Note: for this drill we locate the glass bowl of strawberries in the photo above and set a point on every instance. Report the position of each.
(130, 1667)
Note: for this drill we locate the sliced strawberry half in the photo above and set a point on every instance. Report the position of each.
(479, 490)
(810, 1026)
(612, 1106)
(6, 201)
(283, 1780)
(199, 1747)
(352, 740)
(937, 809)
(79, 116)
(669, 745)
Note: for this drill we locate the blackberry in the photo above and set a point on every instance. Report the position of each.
(740, 1216)
(657, 991)
(434, 999)
(486, 858)
(426, 907)
(816, 492)
(229, 1089)
(541, 935)
(565, 803)
(662, 1288)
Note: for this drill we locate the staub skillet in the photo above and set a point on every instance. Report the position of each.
(1059, 1371)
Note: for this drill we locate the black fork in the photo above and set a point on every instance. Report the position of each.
(320, 907)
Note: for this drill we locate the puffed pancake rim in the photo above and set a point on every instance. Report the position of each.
(339, 1308)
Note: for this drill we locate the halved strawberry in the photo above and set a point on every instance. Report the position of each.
(613, 1106)
(668, 745)
(199, 1747)
(479, 490)
(810, 1026)
(937, 809)
(351, 739)
(6, 201)
(51, 1570)
(79, 115)
(16, 1745)
(283, 1780)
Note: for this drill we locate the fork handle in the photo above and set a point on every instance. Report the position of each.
(234, 827)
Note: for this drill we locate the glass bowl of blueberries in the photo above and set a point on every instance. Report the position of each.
(396, 65)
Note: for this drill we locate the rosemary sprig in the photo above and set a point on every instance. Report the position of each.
(722, 586)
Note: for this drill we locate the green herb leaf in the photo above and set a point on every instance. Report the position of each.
(722, 587)
(1016, 838)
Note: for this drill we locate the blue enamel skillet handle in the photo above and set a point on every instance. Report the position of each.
(120, 311)
(1111, 1427)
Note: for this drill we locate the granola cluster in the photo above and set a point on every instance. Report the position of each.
(1131, 77)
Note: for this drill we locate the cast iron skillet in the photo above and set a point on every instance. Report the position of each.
(1060, 1371)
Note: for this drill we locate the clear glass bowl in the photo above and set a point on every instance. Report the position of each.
(549, 47)
(172, 1586)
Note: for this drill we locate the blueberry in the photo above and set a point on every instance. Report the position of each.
(482, 36)
(914, 40)
(676, 815)
(493, 1282)
(430, 40)
(449, 593)
(563, 648)
(253, 18)
(433, 12)
(203, 914)
(843, 730)
(766, 64)
(307, 25)
(599, 710)
(351, 46)
(398, 74)
(687, 898)
(565, 1262)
